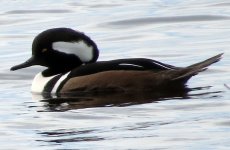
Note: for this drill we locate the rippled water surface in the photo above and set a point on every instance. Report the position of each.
(172, 31)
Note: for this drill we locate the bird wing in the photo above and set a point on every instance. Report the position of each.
(138, 64)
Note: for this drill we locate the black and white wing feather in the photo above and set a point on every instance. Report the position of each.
(138, 64)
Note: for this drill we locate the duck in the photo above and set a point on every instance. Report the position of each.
(70, 58)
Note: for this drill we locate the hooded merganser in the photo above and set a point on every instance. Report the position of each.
(70, 57)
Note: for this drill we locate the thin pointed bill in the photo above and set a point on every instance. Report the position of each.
(30, 62)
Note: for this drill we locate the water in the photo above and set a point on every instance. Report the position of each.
(175, 32)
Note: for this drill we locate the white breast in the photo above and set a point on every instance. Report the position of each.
(40, 82)
(79, 48)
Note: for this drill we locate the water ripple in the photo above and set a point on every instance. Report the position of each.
(160, 20)
(17, 12)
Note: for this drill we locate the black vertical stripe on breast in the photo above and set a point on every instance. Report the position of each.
(50, 85)
(62, 84)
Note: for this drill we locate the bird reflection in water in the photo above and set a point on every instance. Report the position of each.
(80, 100)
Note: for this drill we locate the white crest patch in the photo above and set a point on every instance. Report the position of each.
(39, 83)
(79, 48)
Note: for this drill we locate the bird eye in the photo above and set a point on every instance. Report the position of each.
(44, 50)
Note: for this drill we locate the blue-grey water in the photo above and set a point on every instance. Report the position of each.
(177, 32)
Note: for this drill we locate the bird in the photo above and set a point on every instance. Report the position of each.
(70, 58)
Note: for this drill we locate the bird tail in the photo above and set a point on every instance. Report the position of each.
(188, 72)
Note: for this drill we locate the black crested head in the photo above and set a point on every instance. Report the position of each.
(68, 41)
(61, 49)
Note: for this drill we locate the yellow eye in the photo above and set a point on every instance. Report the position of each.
(44, 50)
